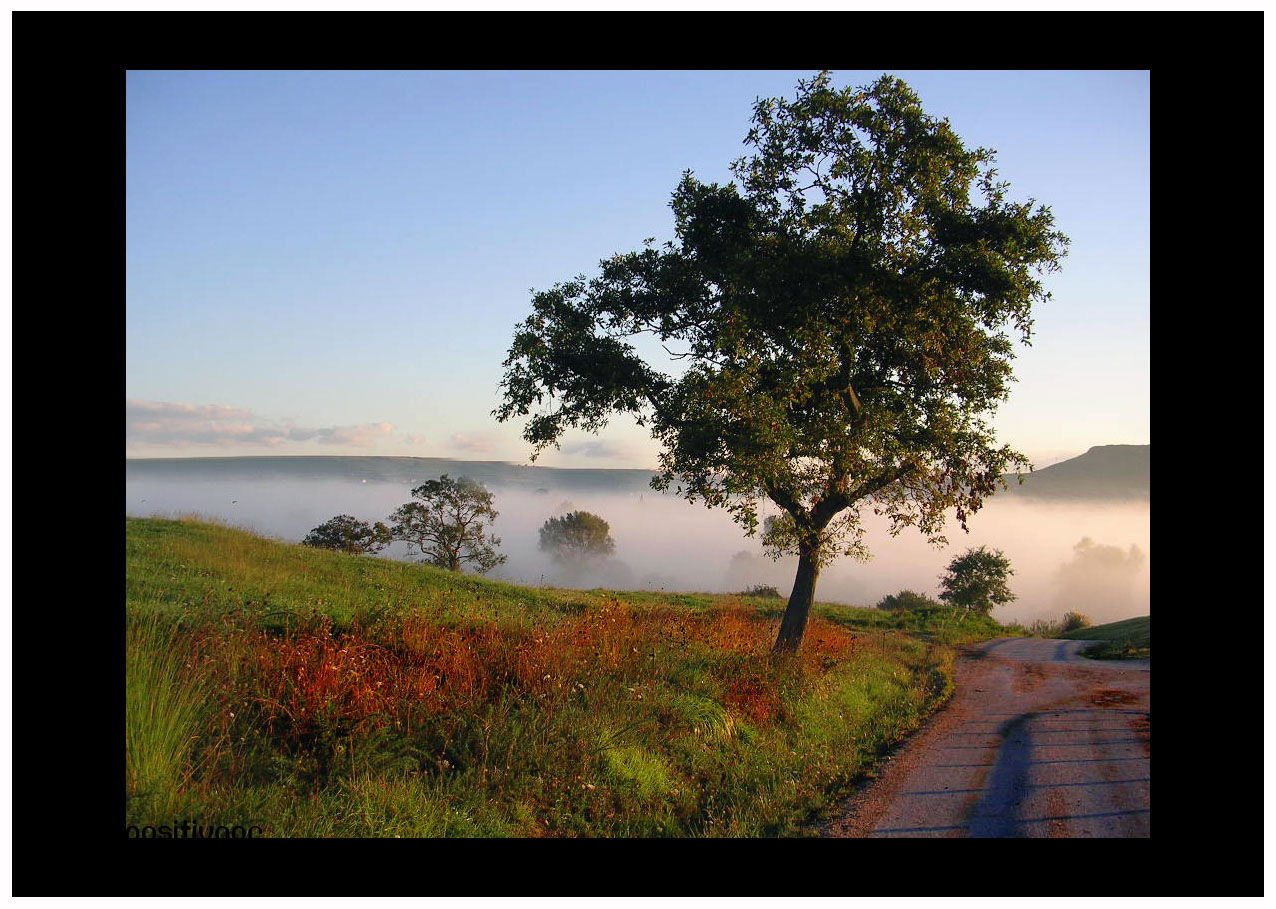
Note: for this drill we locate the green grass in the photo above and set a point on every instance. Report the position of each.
(319, 694)
(1129, 639)
(164, 714)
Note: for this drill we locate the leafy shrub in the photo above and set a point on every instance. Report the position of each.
(907, 599)
(762, 590)
(345, 533)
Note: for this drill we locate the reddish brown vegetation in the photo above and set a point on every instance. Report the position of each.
(404, 672)
(754, 697)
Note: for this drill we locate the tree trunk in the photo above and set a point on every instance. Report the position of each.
(793, 627)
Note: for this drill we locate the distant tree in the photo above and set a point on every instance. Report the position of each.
(842, 316)
(747, 570)
(741, 568)
(345, 533)
(906, 599)
(577, 537)
(448, 524)
(1099, 577)
(977, 580)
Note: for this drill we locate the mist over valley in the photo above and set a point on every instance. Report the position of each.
(1076, 533)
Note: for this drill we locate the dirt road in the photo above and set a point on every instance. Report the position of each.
(1037, 741)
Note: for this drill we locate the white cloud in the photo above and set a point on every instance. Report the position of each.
(171, 410)
(181, 425)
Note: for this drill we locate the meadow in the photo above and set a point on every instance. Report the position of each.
(316, 694)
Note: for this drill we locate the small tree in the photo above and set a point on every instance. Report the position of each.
(977, 580)
(448, 524)
(345, 533)
(576, 538)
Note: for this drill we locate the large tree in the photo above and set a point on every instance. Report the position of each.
(448, 523)
(837, 321)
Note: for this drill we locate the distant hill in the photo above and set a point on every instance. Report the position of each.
(405, 472)
(1103, 472)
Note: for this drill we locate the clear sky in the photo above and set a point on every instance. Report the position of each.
(334, 262)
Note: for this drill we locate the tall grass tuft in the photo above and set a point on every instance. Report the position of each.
(165, 706)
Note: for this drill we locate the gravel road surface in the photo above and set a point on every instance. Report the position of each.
(1038, 741)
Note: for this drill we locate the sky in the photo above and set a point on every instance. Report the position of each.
(334, 263)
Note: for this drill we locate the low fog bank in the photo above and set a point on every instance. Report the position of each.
(1090, 557)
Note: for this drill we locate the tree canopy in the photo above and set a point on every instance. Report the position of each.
(448, 524)
(840, 321)
(577, 537)
(977, 580)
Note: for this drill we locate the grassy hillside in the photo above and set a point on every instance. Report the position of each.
(1127, 639)
(311, 693)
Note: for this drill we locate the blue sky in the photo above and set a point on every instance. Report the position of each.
(334, 262)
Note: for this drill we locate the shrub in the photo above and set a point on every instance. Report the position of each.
(907, 599)
(1053, 628)
(762, 590)
(1074, 620)
(345, 533)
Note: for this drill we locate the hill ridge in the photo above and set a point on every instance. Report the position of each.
(1103, 472)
